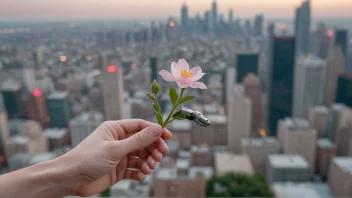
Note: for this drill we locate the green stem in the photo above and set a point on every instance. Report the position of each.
(157, 102)
(173, 109)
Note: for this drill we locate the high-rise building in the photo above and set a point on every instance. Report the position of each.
(258, 25)
(225, 162)
(184, 16)
(246, 63)
(287, 168)
(297, 137)
(239, 119)
(336, 111)
(202, 155)
(258, 150)
(231, 17)
(253, 90)
(310, 75)
(36, 107)
(11, 94)
(214, 15)
(302, 27)
(214, 135)
(38, 58)
(343, 134)
(83, 125)
(113, 92)
(58, 137)
(153, 69)
(344, 90)
(301, 189)
(335, 67)
(341, 170)
(182, 131)
(318, 118)
(248, 27)
(281, 80)
(321, 40)
(341, 40)
(228, 81)
(326, 150)
(58, 109)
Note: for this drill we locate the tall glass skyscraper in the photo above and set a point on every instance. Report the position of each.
(281, 80)
(344, 90)
(246, 63)
(184, 16)
(302, 27)
(153, 69)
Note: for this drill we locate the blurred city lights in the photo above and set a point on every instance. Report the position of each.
(262, 132)
(172, 24)
(111, 68)
(63, 58)
(2, 158)
(36, 92)
(330, 33)
(88, 58)
(133, 66)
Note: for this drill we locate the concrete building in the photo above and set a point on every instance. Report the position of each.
(182, 131)
(239, 116)
(343, 93)
(41, 157)
(340, 176)
(58, 109)
(227, 162)
(253, 90)
(336, 111)
(291, 168)
(215, 134)
(202, 156)
(168, 183)
(36, 108)
(113, 91)
(18, 161)
(83, 125)
(318, 119)
(11, 90)
(309, 81)
(343, 134)
(258, 150)
(58, 137)
(326, 150)
(302, 190)
(335, 67)
(297, 137)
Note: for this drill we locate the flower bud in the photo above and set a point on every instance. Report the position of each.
(150, 96)
(155, 87)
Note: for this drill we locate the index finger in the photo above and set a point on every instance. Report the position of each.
(131, 126)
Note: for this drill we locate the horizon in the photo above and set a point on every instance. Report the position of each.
(122, 10)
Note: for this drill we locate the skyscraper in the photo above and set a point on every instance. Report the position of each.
(318, 118)
(248, 27)
(302, 27)
(37, 56)
(343, 134)
(230, 17)
(214, 16)
(36, 108)
(184, 16)
(258, 25)
(321, 41)
(340, 170)
(280, 94)
(341, 40)
(335, 67)
(253, 90)
(11, 94)
(153, 69)
(113, 92)
(239, 118)
(344, 90)
(310, 75)
(246, 63)
(58, 109)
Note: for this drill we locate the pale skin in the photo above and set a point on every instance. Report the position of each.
(101, 160)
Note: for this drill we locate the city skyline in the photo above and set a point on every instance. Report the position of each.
(39, 10)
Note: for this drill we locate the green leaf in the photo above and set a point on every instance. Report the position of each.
(156, 108)
(186, 99)
(159, 118)
(150, 96)
(173, 95)
(179, 115)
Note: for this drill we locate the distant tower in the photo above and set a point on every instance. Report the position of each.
(153, 69)
(113, 91)
(38, 58)
(281, 81)
(214, 16)
(342, 40)
(344, 90)
(246, 63)
(258, 25)
(253, 90)
(302, 27)
(184, 16)
(36, 108)
(11, 94)
(59, 109)
(335, 67)
(309, 84)
(230, 16)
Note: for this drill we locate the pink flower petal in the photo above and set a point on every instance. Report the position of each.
(196, 73)
(182, 63)
(167, 76)
(197, 85)
(182, 84)
(175, 70)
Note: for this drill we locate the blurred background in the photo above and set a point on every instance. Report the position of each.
(279, 97)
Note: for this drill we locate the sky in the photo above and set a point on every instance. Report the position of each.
(48, 10)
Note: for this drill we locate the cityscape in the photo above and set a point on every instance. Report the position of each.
(279, 98)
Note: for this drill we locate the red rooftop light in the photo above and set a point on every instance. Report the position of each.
(330, 33)
(36, 92)
(111, 68)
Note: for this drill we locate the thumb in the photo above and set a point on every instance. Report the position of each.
(140, 140)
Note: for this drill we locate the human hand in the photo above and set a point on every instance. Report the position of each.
(107, 155)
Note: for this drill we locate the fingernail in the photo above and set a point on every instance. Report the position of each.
(155, 130)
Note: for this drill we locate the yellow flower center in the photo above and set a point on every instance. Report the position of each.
(186, 73)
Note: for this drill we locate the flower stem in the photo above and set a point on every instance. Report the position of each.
(166, 122)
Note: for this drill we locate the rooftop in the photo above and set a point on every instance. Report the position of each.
(260, 141)
(184, 154)
(88, 116)
(325, 143)
(10, 85)
(58, 95)
(207, 172)
(203, 149)
(20, 139)
(217, 118)
(228, 162)
(171, 173)
(182, 125)
(38, 158)
(338, 106)
(55, 133)
(320, 109)
(296, 123)
(345, 163)
(288, 161)
(302, 190)
(313, 61)
(183, 163)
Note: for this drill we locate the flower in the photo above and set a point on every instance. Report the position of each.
(183, 76)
